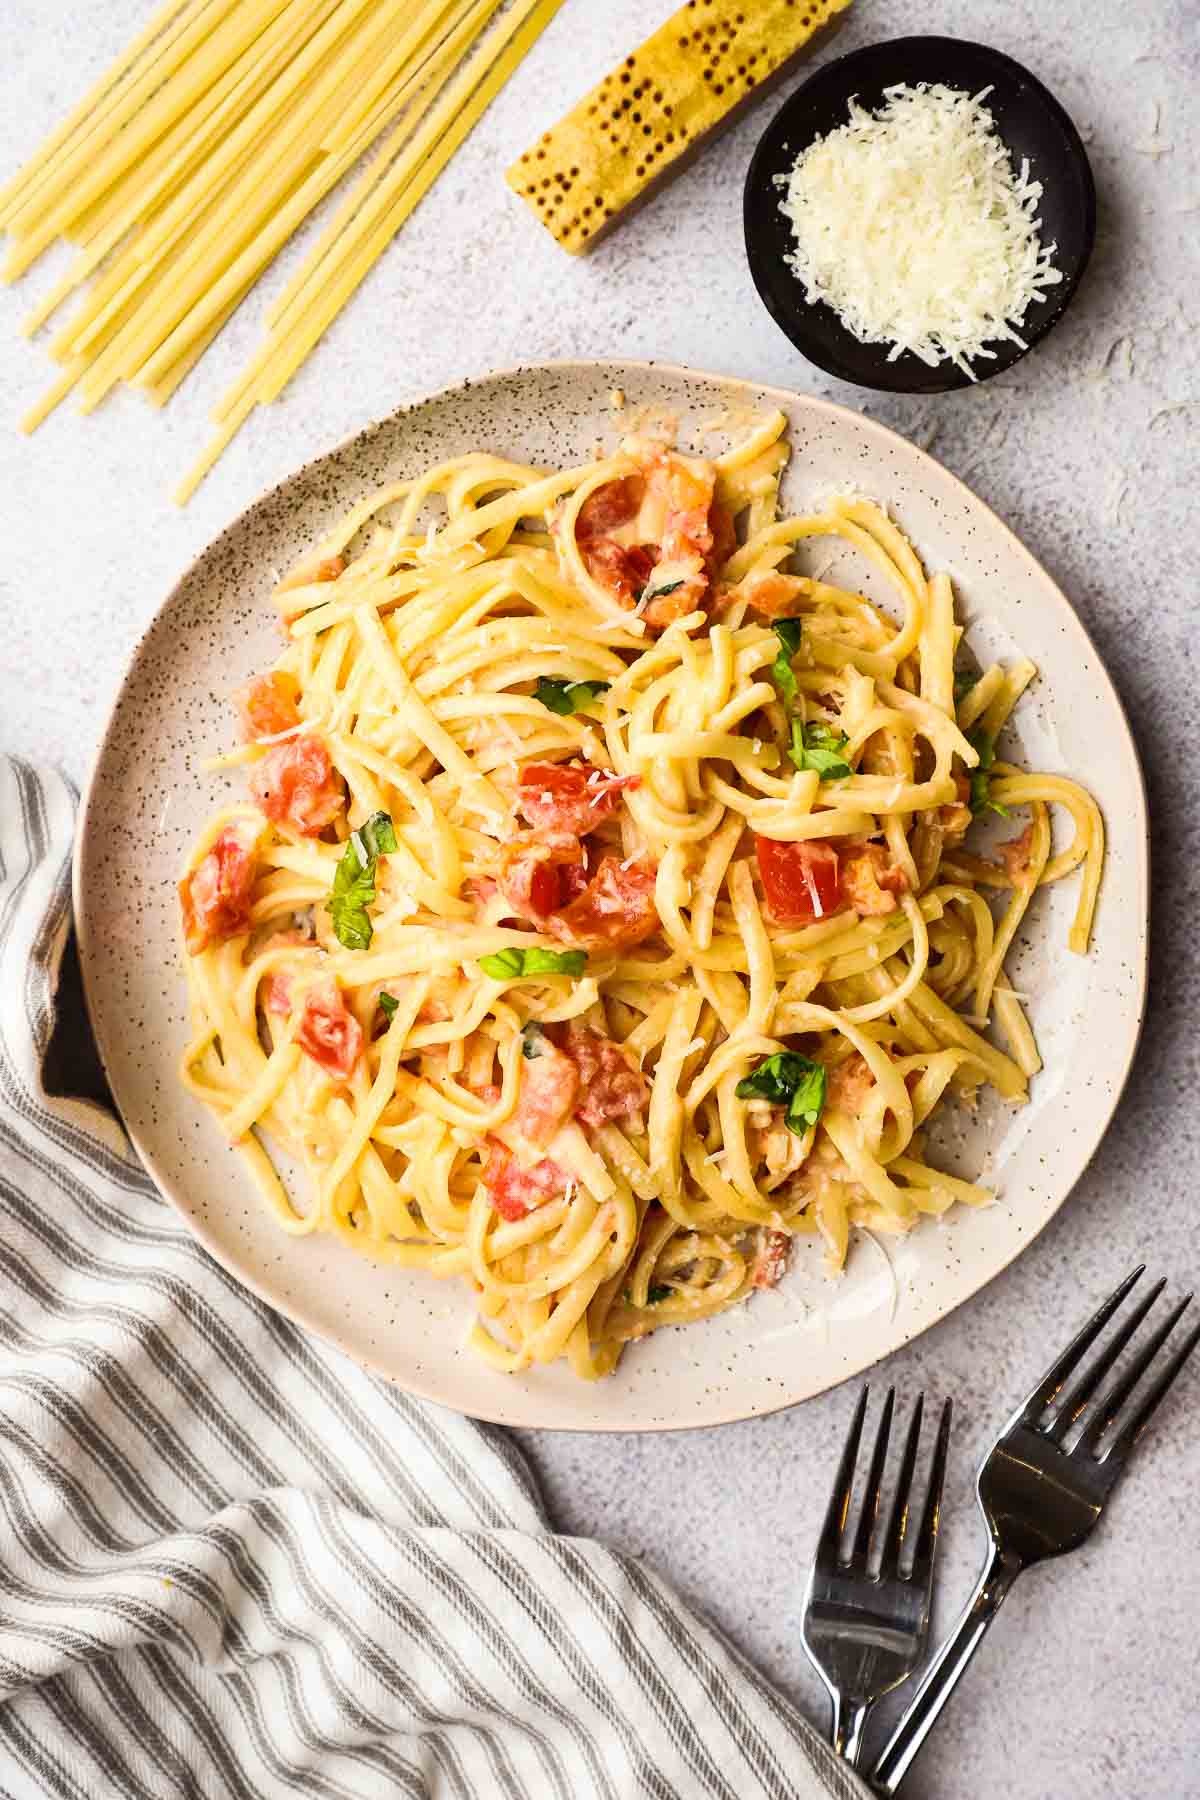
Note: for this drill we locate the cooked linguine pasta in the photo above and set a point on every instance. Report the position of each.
(604, 912)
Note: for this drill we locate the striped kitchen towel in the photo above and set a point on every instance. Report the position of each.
(234, 1564)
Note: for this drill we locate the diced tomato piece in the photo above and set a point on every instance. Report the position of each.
(310, 569)
(682, 588)
(624, 569)
(770, 1264)
(871, 881)
(277, 993)
(620, 568)
(770, 593)
(297, 785)
(849, 1084)
(686, 487)
(546, 1097)
(572, 797)
(572, 879)
(438, 1004)
(1016, 856)
(535, 869)
(328, 1030)
(724, 537)
(609, 507)
(696, 535)
(955, 820)
(615, 910)
(545, 888)
(611, 1085)
(685, 490)
(516, 1191)
(889, 874)
(268, 705)
(215, 897)
(800, 880)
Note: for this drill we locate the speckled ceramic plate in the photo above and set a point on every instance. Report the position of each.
(147, 798)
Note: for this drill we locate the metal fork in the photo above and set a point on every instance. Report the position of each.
(865, 1633)
(1040, 1498)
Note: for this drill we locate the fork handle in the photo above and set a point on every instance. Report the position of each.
(849, 1723)
(944, 1673)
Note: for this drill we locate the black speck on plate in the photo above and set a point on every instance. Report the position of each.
(1032, 125)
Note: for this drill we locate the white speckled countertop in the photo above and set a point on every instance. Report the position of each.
(1086, 1687)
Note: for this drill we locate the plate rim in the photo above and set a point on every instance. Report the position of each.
(81, 846)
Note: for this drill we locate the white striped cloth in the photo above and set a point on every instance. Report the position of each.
(234, 1564)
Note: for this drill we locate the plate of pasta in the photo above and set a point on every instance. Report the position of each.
(623, 933)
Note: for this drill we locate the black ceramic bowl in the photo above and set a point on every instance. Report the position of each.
(1029, 120)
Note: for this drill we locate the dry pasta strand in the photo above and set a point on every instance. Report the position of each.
(188, 166)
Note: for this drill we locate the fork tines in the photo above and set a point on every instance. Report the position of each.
(865, 1633)
(1067, 1412)
(1044, 1486)
(899, 1527)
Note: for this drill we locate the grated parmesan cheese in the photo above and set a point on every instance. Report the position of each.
(912, 225)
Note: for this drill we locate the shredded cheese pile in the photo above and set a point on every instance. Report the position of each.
(912, 225)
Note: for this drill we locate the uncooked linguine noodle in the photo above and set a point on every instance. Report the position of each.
(604, 915)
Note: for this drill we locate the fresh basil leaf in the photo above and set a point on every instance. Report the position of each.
(827, 763)
(352, 925)
(782, 673)
(981, 781)
(817, 746)
(820, 736)
(964, 681)
(650, 592)
(983, 746)
(791, 1080)
(554, 962)
(512, 964)
(388, 1004)
(553, 695)
(379, 835)
(808, 1101)
(785, 681)
(981, 796)
(353, 888)
(352, 869)
(566, 697)
(788, 632)
(658, 1293)
(352, 893)
(776, 1078)
(502, 965)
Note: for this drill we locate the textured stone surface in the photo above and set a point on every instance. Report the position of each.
(1087, 1684)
